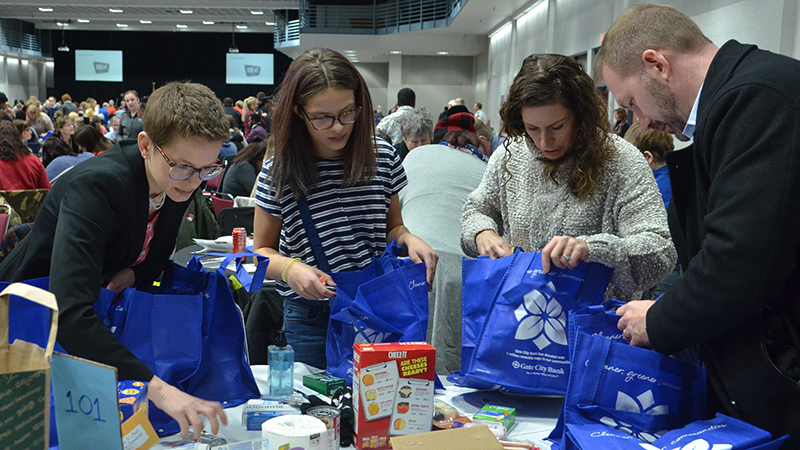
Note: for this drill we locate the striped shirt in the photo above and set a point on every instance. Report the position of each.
(350, 221)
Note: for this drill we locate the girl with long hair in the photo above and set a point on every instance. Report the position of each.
(326, 154)
(568, 187)
(19, 168)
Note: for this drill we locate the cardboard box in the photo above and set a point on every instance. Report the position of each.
(496, 414)
(132, 397)
(323, 382)
(472, 438)
(393, 387)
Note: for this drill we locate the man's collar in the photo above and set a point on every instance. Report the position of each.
(691, 122)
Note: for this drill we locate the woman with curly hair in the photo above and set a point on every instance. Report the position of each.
(568, 187)
(59, 143)
(19, 169)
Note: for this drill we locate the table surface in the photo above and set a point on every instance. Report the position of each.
(536, 415)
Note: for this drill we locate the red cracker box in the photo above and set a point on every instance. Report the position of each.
(392, 391)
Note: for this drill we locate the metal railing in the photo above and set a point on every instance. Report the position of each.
(20, 42)
(389, 17)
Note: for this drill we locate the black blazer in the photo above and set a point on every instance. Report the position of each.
(90, 226)
(737, 212)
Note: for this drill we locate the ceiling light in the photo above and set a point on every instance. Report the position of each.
(182, 26)
(61, 24)
(84, 20)
(122, 25)
(115, 10)
(442, 53)
(46, 9)
(208, 22)
(145, 21)
(241, 27)
(270, 23)
(396, 52)
(186, 11)
(256, 13)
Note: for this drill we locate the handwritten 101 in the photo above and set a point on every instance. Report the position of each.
(82, 408)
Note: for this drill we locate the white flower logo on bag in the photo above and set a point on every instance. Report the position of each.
(697, 444)
(541, 318)
(369, 336)
(644, 403)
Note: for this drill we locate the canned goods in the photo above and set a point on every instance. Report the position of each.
(239, 240)
(330, 416)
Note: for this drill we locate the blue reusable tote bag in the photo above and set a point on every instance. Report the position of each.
(190, 333)
(522, 346)
(631, 389)
(392, 307)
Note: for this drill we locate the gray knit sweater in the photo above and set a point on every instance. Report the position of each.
(623, 222)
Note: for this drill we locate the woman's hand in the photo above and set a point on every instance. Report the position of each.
(565, 252)
(185, 408)
(125, 278)
(490, 243)
(306, 281)
(420, 251)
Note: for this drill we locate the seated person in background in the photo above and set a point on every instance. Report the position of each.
(59, 143)
(416, 130)
(19, 168)
(621, 125)
(568, 187)
(39, 122)
(654, 145)
(257, 130)
(113, 128)
(440, 178)
(64, 163)
(485, 137)
(113, 221)
(228, 147)
(241, 176)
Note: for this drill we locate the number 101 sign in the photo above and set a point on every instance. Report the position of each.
(86, 404)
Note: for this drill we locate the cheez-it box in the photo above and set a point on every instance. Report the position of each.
(393, 387)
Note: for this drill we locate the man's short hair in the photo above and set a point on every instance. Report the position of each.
(644, 27)
(406, 97)
(656, 142)
(200, 114)
(227, 101)
(479, 105)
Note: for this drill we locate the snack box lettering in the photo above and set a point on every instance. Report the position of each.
(496, 414)
(323, 382)
(132, 397)
(393, 387)
(255, 412)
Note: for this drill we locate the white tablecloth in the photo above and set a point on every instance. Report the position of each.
(536, 415)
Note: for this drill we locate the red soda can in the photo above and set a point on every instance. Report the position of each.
(240, 240)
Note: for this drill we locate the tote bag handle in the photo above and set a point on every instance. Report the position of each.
(35, 295)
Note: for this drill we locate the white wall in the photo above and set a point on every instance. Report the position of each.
(23, 75)
(376, 75)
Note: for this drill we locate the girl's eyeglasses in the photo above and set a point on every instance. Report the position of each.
(180, 172)
(324, 122)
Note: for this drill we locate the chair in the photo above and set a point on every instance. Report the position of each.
(220, 202)
(230, 218)
(25, 202)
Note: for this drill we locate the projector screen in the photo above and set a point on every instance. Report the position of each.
(249, 68)
(98, 65)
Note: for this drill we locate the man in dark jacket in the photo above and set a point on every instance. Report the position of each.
(736, 209)
(227, 104)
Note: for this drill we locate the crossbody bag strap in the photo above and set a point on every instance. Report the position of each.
(313, 237)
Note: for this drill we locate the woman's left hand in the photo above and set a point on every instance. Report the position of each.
(125, 278)
(565, 252)
(420, 251)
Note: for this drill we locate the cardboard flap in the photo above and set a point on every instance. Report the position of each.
(472, 438)
(35, 295)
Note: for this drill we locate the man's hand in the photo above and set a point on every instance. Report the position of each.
(633, 322)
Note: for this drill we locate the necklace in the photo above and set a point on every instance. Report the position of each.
(157, 202)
